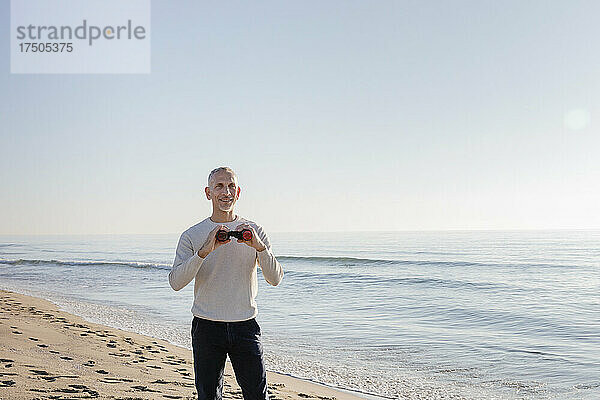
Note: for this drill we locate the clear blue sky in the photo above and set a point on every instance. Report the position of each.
(337, 115)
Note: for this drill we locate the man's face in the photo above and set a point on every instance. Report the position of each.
(223, 191)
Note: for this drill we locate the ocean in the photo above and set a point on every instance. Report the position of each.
(415, 315)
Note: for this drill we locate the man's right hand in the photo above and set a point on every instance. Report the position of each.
(211, 242)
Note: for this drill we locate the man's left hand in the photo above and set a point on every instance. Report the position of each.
(256, 243)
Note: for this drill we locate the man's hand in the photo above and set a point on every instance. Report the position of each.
(255, 242)
(211, 242)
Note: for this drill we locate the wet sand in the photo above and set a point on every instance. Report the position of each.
(46, 353)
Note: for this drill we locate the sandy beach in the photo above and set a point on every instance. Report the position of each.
(46, 353)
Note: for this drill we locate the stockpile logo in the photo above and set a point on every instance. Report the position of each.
(80, 36)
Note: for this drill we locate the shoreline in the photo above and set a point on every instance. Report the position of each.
(49, 353)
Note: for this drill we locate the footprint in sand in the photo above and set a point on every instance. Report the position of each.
(183, 372)
(173, 363)
(144, 389)
(42, 345)
(161, 381)
(78, 389)
(34, 339)
(17, 332)
(101, 371)
(315, 397)
(39, 372)
(89, 363)
(109, 379)
(66, 358)
(7, 383)
(47, 377)
(119, 354)
(66, 390)
(276, 385)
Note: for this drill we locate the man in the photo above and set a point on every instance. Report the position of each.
(225, 288)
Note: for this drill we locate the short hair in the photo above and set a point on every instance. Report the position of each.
(220, 169)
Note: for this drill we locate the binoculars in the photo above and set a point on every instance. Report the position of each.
(244, 234)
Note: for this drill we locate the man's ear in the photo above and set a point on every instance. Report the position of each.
(238, 192)
(207, 192)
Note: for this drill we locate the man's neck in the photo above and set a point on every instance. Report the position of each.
(222, 216)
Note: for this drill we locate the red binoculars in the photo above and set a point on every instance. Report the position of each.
(244, 234)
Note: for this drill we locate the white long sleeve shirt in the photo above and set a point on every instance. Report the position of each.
(226, 282)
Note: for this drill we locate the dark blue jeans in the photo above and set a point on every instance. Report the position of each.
(212, 341)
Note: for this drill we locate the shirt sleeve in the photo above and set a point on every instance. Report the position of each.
(186, 265)
(271, 269)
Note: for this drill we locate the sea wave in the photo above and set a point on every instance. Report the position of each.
(317, 278)
(346, 261)
(86, 263)
(329, 261)
(341, 278)
(352, 261)
(332, 261)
